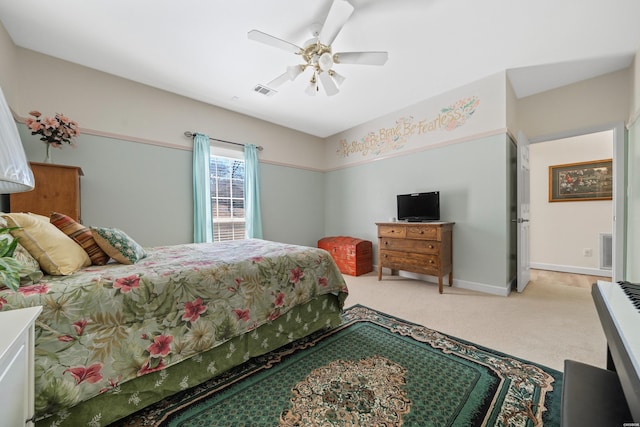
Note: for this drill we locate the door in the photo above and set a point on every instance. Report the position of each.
(619, 172)
(523, 258)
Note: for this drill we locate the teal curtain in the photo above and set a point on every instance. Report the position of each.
(253, 217)
(202, 222)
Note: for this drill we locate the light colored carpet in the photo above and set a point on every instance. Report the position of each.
(552, 320)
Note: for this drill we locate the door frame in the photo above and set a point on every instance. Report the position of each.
(619, 169)
(523, 195)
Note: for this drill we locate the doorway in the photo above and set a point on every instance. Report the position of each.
(567, 236)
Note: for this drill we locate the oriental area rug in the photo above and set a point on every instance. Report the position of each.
(373, 370)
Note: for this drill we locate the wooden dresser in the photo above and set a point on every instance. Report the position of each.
(418, 247)
(57, 190)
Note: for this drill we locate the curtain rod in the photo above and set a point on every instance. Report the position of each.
(190, 134)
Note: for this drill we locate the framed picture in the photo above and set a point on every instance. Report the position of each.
(577, 182)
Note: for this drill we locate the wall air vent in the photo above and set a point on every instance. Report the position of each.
(606, 251)
(264, 90)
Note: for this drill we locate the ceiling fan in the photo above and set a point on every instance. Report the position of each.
(317, 53)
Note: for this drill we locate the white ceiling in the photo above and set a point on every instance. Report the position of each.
(200, 49)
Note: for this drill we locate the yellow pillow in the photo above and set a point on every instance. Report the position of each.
(56, 252)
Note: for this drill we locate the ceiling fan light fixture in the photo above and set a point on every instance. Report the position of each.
(317, 53)
(339, 78)
(328, 84)
(312, 87)
(325, 61)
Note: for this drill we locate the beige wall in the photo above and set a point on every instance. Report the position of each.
(104, 104)
(466, 113)
(7, 66)
(512, 107)
(598, 101)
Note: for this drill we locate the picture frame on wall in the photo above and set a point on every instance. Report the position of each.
(579, 182)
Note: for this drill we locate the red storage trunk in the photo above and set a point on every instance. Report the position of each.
(353, 256)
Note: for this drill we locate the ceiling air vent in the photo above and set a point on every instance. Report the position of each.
(264, 90)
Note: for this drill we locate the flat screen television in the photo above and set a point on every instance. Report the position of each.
(417, 207)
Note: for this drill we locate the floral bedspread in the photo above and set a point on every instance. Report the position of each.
(106, 325)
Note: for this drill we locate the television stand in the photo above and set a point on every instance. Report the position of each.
(418, 247)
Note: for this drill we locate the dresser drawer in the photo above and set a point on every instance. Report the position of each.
(419, 263)
(405, 245)
(399, 231)
(425, 232)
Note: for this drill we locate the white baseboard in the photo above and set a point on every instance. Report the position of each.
(483, 287)
(572, 269)
(463, 284)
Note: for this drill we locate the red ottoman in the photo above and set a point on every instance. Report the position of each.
(353, 256)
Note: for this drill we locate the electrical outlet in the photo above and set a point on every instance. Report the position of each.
(587, 252)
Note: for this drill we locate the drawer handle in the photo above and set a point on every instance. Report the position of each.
(430, 246)
(421, 231)
(430, 261)
(386, 242)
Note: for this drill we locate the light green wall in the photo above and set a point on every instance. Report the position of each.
(292, 204)
(146, 190)
(142, 189)
(473, 178)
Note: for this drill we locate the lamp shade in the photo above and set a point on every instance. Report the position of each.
(15, 174)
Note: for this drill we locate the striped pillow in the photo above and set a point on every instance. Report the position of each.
(81, 235)
(57, 253)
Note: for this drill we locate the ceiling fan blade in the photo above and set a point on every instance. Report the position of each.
(293, 71)
(265, 38)
(362, 58)
(338, 15)
(278, 81)
(328, 84)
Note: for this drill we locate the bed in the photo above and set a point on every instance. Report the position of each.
(115, 338)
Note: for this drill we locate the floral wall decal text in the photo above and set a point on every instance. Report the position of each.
(394, 138)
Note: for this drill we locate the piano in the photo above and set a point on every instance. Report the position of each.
(618, 306)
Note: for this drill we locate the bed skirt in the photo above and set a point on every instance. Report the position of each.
(129, 397)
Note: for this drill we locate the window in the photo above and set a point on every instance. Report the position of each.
(227, 198)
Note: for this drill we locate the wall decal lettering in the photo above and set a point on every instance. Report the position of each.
(394, 138)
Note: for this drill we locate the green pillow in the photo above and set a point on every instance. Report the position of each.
(118, 245)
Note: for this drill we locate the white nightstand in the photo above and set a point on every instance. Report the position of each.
(16, 366)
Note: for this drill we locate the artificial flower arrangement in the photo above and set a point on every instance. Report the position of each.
(53, 130)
